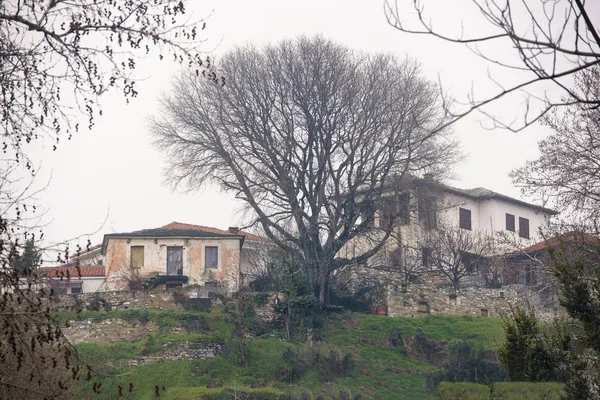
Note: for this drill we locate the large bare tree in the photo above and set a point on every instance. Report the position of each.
(567, 172)
(552, 41)
(57, 58)
(307, 133)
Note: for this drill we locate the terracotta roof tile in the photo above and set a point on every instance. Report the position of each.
(570, 237)
(180, 225)
(72, 271)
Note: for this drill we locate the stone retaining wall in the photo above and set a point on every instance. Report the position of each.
(181, 351)
(105, 301)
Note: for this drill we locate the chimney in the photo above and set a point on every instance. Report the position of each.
(233, 229)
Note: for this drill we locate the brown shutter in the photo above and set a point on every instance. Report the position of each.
(404, 204)
(524, 228)
(510, 222)
(465, 218)
(426, 256)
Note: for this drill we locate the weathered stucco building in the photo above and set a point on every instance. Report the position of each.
(179, 253)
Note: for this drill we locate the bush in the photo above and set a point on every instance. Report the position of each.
(525, 354)
(464, 363)
(337, 365)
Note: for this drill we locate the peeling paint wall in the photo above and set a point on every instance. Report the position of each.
(118, 254)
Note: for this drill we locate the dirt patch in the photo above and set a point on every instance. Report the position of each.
(110, 330)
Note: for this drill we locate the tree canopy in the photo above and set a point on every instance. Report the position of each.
(310, 136)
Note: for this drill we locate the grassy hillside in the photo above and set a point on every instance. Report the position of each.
(355, 359)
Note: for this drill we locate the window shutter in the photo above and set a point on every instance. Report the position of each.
(464, 218)
(426, 256)
(510, 222)
(137, 257)
(524, 228)
(211, 257)
(404, 205)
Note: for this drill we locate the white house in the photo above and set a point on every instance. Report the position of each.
(74, 280)
(423, 204)
(489, 212)
(418, 207)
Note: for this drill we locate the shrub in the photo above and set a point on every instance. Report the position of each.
(337, 365)
(464, 363)
(525, 354)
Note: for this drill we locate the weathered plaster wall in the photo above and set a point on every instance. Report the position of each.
(118, 254)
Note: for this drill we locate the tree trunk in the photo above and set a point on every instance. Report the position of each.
(323, 278)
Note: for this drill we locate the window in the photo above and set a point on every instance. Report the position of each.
(404, 208)
(467, 261)
(510, 222)
(426, 256)
(76, 287)
(367, 212)
(427, 214)
(174, 260)
(524, 228)
(464, 218)
(387, 213)
(137, 257)
(211, 257)
(59, 287)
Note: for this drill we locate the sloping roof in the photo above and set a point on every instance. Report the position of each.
(181, 225)
(575, 238)
(72, 271)
(86, 250)
(178, 229)
(480, 193)
(161, 232)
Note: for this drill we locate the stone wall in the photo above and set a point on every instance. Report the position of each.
(181, 351)
(419, 300)
(121, 300)
(433, 295)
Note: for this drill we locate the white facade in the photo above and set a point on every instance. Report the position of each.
(89, 284)
(489, 215)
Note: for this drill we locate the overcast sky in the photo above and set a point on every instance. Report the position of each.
(113, 169)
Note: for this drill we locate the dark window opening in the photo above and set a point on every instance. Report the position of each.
(387, 213)
(426, 256)
(211, 257)
(404, 209)
(175, 260)
(367, 212)
(464, 218)
(427, 212)
(59, 287)
(76, 288)
(467, 261)
(524, 228)
(510, 222)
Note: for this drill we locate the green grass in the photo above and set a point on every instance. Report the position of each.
(486, 332)
(501, 391)
(378, 371)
